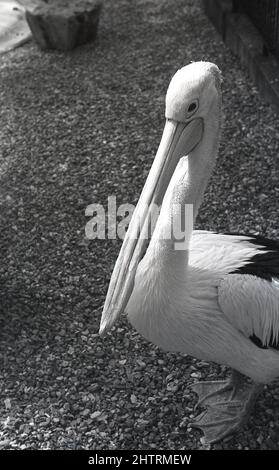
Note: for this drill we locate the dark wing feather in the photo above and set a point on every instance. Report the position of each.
(263, 265)
(258, 342)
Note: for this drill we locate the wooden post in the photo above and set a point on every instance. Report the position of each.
(62, 24)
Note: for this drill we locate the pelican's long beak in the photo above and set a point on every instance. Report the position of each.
(178, 140)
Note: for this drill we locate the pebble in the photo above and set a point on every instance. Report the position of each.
(133, 399)
(4, 443)
(195, 375)
(95, 415)
(7, 403)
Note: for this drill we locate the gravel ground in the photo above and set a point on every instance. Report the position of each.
(74, 129)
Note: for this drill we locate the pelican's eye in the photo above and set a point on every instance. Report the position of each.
(192, 108)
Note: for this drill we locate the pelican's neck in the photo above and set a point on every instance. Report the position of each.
(185, 193)
(199, 166)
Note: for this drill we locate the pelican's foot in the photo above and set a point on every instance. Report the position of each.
(221, 419)
(227, 405)
(212, 391)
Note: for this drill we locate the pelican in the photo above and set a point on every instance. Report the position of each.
(211, 296)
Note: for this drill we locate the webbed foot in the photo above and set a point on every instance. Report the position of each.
(220, 419)
(212, 391)
(227, 404)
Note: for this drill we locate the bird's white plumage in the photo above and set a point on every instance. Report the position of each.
(203, 298)
(251, 305)
(192, 307)
(219, 252)
(189, 301)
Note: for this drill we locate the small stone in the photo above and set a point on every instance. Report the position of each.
(270, 444)
(7, 403)
(140, 363)
(172, 387)
(133, 399)
(274, 435)
(95, 415)
(195, 375)
(4, 443)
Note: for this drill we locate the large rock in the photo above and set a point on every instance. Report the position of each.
(63, 24)
(14, 29)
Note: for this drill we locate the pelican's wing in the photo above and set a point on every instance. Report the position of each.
(245, 269)
(251, 304)
(223, 253)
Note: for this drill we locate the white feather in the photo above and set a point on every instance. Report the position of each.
(186, 308)
(251, 305)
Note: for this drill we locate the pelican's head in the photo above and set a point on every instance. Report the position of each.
(192, 92)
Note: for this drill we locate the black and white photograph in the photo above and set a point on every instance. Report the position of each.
(139, 238)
